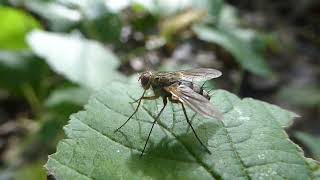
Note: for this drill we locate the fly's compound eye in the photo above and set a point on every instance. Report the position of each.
(145, 78)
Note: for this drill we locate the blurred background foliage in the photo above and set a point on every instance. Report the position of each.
(55, 53)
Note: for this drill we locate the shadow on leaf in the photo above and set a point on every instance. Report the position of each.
(172, 157)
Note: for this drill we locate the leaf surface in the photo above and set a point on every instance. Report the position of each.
(249, 144)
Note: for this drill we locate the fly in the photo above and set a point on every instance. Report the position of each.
(179, 87)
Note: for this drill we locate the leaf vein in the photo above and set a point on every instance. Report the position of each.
(106, 136)
(75, 170)
(243, 166)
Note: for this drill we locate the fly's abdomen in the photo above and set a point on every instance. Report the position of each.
(196, 88)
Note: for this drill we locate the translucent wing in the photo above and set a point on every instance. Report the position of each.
(199, 74)
(195, 101)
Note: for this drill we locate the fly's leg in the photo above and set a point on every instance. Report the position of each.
(155, 120)
(136, 110)
(194, 132)
(146, 98)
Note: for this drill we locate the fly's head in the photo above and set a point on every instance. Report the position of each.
(145, 79)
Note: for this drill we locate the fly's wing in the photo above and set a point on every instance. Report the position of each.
(199, 74)
(195, 101)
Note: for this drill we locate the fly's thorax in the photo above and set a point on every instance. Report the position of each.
(161, 80)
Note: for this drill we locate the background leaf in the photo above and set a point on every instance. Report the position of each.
(58, 16)
(312, 142)
(82, 61)
(301, 96)
(73, 95)
(241, 50)
(315, 167)
(31, 172)
(21, 69)
(250, 143)
(15, 24)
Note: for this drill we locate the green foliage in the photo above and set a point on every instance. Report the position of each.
(312, 143)
(15, 24)
(21, 70)
(99, 23)
(250, 143)
(226, 32)
(58, 16)
(301, 96)
(166, 7)
(73, 95)
(228, 17)
(99, 27)
(241, 50)
(30, 172)
(315, 167)
(81, 61)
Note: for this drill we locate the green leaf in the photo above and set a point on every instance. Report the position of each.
(58, 16)
(65, 101)
(167, 7)
(312, 142)
(228, 17)
(31, 171)
(98, 22)
(105, 27)
(249, 144)
(93, 18)
(21, 69)
(82, 61)
(73, 95)
(15, 24)
(239, 48)
(302, 96)
(315, 167)
(215, 8)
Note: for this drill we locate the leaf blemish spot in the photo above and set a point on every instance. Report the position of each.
(261, 156)
(241, 118)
